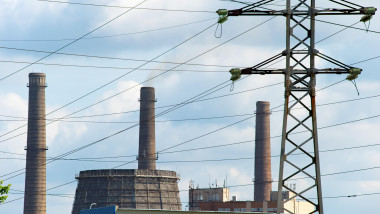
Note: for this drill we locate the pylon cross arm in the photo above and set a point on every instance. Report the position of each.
(262, 70)
(349, 9)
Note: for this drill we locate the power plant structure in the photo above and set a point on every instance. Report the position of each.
(265, 200)
(263, 179)
(142, 188)
(35, 170)
(147, 137)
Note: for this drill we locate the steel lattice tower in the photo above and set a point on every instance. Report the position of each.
(299, 132)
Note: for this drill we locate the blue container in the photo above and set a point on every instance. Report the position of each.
(102, 210)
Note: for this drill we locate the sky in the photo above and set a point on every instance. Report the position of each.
(178, 48)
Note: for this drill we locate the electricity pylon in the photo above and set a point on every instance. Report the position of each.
(299, 133)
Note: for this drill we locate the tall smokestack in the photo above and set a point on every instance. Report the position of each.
(263, 183)
(147, 138)
(35, 176)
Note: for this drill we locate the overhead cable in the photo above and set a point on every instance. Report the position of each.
(105, 36)
(110, 82)
(112, 96)
(123, 7)
(106, 67)
(70, 43)
(114, 58)
(67, 119)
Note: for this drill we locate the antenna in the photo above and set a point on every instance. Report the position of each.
(191, 184)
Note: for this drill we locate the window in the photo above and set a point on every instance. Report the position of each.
(224, 209)
(210, 197)
(217, 197)
(201, 197)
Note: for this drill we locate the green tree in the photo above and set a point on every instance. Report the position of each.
(3, 191)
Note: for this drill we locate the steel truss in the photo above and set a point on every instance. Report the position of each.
(299, 132)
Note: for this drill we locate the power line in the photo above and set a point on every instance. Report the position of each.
(217, 146)
(138, 8)
(329, 126)
(336, 173)
(47, 194)
(251, 184)
(102, 67)
(105, 36)
(347, 26)
(352, 196)
(12, 153)
(166, 106)
(199, 55)
(70, 43)
(366, 60)
(110, 82)
(202, 148)
(126, 122)
(55, 187)
(206, 93)
(184, 119)
(203, 94)
(114, 58)
(144, 81)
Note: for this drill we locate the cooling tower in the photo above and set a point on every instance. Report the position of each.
(35, 175)
(263, 183)
(142, 188)
(147, 138)
(127, 188)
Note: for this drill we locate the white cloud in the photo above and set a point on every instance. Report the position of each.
(24, 14)
(126, 101)
(13, 105)
(23, 18)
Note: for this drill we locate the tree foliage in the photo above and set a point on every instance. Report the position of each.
(3, 192)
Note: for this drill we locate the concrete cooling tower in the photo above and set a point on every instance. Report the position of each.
(142, 188)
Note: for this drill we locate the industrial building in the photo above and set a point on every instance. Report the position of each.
(35, 170)
(207, 200)
(265, 200)
(142, 188)
(117, 210)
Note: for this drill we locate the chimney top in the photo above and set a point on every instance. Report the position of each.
(37, 75)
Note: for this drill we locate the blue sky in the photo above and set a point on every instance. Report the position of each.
(47, 26)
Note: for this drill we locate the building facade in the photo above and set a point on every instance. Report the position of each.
(198, 196)
(208, 200)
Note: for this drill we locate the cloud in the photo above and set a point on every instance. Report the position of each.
(24, 14)
(41, 20)
(13, 105)
(127, 100)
